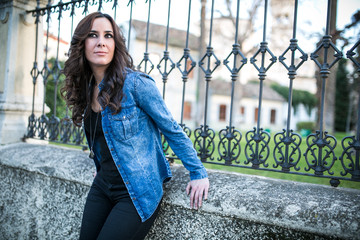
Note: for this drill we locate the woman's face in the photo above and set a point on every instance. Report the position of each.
(100, 44)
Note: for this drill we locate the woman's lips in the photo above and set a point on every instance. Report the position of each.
(100, 53)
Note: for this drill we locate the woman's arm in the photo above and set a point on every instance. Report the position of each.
(149, 99)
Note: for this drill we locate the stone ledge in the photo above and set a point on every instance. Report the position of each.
(239, 206)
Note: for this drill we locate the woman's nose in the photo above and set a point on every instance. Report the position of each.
(101, 42)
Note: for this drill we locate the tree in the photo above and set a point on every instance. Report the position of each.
(342, 96)
(50, 91)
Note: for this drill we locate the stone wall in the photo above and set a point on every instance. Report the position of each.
(43, 189)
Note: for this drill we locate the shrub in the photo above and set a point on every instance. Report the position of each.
(306, 125)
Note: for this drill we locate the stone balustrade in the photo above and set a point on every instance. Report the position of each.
(44, 187)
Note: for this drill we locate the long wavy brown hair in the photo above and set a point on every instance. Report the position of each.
(77, 90)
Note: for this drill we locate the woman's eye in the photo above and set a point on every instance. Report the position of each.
(109, 35)
(92, 35)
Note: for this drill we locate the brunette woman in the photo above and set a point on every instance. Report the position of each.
(122, 113)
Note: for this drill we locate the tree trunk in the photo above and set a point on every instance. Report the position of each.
(200, 88)
(329, 101)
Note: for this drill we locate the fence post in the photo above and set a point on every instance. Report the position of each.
(17, 55)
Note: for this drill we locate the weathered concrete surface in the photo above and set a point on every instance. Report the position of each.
(43, 190)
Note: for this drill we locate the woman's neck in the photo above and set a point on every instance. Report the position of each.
(98, 75)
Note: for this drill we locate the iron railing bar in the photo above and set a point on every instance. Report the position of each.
(56, 77)
(166, 57)
(186, 57)
(147, 29)
(234, 74)
(35, 73)
(188, 26)
(265, 18)
(211, 22)
(130, 21)
(115, 7)
(167, 28)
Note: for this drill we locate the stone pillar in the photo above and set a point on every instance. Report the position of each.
(17, 56)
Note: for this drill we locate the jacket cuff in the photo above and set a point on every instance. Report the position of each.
(198, 174)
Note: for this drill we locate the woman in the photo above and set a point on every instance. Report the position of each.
(123, 113)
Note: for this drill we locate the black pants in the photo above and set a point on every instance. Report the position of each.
(110, 214)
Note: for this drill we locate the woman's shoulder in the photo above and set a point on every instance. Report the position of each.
(134, 77)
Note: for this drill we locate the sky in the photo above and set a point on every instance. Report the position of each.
(311, 16)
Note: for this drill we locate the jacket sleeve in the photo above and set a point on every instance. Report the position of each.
(149, 99)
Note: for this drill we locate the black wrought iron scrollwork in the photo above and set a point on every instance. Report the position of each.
(31, 129)
(204, 142)
(204, 136)
(45, 72)
(257, 148)
(206, 60)
(229, 145)
(53, 128)
(186, 129)
(350, 54)
(326, 45)
(263, 50)
(65, 129)
(287, 151)
(320, 155)
(350, 157)
(325, 143)
(78, 135)
(165, 66)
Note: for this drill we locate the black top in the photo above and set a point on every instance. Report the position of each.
(108, 169)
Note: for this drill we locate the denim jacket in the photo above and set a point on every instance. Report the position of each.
(133, 138)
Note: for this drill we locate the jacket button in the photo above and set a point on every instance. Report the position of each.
(112, 149)
(127, 183)
(133, 198)
(123, 117)
(119, 165)
(105, 132)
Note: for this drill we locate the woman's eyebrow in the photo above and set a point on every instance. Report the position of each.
(107, 31)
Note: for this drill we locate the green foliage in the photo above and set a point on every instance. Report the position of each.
(50, 90)
(299, 97)
(341, 96)
(306, 125)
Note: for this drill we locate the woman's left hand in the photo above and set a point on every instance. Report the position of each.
(197, 189)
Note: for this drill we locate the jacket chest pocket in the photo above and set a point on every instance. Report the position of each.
(125, 123)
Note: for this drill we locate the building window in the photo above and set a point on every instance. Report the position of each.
(256, 114)
(272, 116)
(242, 110)
(222, 112)
(187, 111)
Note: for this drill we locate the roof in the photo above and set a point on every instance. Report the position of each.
(249, 90)
(157, 33)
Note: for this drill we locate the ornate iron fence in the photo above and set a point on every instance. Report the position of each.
(319, 157)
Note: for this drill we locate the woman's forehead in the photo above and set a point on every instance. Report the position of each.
(102, 24)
